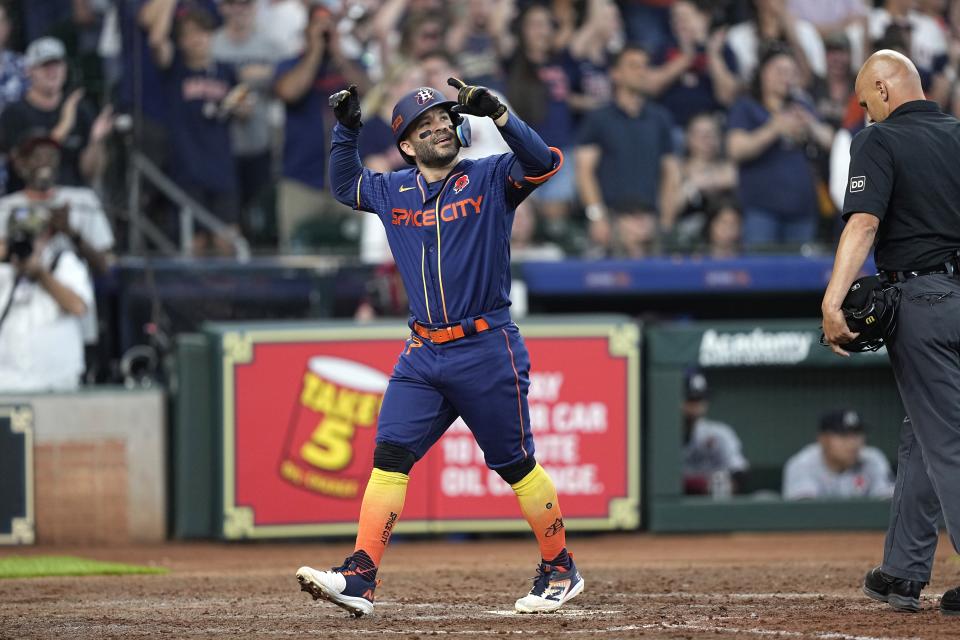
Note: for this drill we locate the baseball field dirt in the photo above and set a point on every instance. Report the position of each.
(791, 586)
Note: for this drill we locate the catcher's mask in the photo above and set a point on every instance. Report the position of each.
(415, 104)
(870, 309)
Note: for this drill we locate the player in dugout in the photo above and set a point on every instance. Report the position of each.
(448, 223)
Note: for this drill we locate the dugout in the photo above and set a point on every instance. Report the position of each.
(770, 380)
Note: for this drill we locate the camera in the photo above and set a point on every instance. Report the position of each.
(24, 225)
(20, 243)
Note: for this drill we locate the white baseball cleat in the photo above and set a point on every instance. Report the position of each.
(347, 586)
(553, 586)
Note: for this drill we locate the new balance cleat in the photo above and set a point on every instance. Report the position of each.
(900, 594)
(349, 586)
(553, 586)
(950, 602)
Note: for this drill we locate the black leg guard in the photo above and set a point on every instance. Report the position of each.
(390, 457)
(514, 473)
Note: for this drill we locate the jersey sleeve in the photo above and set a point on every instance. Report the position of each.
(734, 459)
(352, 184)
(870, 178)
(798, 480)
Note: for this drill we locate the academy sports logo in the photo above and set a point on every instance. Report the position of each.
(461, 184)
(424, 95)
(396, 122)
(858, 184)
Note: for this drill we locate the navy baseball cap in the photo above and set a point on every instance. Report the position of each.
(695, 384)
(412, 106)
(842, 421)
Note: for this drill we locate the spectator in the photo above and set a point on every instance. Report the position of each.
(523, 239)
(696, 71)
(838, 465)
(538, 88)
(304, 83)
(626, 169)
(479, 36)
(241, 43)
(927, 41)
(833, 18)
(68, 119)
(833, 93)
(591, 49)
(648, 22)
(13, 71)
(706, 176)
(44, 292)
(284, 23)
(201, 98)
(713, 461)
(723, 234)
(767, 134)
(74, 214)
(774, 24)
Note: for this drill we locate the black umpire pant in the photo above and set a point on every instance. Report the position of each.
(925, 354)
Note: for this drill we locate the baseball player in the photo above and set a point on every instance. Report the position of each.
(904, 192)
(448, 224)
(838, 464)
(712, 454)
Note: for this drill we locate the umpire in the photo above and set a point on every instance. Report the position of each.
(904, 191)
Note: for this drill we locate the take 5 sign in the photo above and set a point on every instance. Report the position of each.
(300, 406)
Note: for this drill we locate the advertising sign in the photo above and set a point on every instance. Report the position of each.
(300, 416)
(16, 461)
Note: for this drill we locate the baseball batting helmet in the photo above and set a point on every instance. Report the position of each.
(415, 104)
(870, 309)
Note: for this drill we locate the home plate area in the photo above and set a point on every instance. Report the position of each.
(760, 586)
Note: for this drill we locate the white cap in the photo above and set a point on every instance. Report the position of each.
(43, 50)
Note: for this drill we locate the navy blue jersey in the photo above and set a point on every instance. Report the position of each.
(451, 238)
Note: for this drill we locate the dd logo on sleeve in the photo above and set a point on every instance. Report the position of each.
(857, 184)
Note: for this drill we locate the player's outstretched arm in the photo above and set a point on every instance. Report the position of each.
(345, 166)
(533, 155)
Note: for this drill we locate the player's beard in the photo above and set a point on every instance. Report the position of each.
(429, 155)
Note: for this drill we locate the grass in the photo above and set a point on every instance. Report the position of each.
(39, 566)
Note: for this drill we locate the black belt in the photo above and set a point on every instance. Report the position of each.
(949, 267)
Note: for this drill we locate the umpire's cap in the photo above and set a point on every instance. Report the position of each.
(412, 106)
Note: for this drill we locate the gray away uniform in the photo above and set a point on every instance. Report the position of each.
(806, 475)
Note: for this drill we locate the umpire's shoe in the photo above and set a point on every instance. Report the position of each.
(902, 595)
(349, 586)
(950, 602)
(553, 586)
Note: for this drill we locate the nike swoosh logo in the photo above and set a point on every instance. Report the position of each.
(402, 189)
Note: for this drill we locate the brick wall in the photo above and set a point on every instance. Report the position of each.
(81, 492)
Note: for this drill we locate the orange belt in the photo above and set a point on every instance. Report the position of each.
(447, 334)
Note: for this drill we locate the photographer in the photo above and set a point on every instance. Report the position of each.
(74, 215)
(44, 292)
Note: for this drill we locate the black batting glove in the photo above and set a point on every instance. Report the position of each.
(476, 101)
(346, 106)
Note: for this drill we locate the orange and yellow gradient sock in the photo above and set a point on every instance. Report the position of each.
(380, 510)
(538, 503)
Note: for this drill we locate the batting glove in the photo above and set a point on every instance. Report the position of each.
(346, 107)
(476, 101)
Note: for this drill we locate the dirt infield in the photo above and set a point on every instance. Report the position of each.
(803, 586)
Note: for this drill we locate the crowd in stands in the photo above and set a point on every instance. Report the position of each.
(710, 127)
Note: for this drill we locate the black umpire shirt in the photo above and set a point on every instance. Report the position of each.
(904, 170)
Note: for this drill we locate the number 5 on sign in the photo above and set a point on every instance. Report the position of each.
(329, 446)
